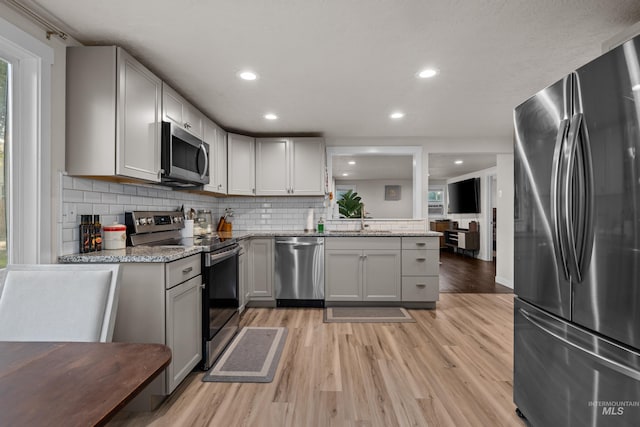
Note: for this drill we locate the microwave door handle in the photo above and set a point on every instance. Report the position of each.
(206, 161)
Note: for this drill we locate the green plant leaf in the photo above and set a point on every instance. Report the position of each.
(350, 205)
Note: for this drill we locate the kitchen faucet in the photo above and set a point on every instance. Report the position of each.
(362, 226)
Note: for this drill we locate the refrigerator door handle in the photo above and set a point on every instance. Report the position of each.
(606, 361)
(578, 206)
(556, 179)
(585, 208)
(573, 200)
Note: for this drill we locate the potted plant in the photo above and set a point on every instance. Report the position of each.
(350, 205)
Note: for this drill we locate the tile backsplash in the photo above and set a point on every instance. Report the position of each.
(272, 213)
(110, 200)
(395, 225)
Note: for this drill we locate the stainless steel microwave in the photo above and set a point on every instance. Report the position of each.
(185, 158)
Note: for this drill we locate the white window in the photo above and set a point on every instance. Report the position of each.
(4, 110)
(436, 200)
(26, 163)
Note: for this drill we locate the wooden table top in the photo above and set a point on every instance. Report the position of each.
(75, 383)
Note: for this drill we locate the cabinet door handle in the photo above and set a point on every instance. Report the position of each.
(421, 259)
(187, 270)
(421, 285)
(420, 243)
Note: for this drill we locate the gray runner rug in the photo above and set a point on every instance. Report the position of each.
(252, 356)
(366, 315)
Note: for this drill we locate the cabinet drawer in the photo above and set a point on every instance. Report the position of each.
(182, 269)
(420, 242)
(420, 263)
(362, 243)
(425, 288)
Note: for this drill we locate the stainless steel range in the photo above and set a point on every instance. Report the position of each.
(220, 297)
(220, 294)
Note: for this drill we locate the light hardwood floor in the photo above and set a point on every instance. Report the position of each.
(453, 367)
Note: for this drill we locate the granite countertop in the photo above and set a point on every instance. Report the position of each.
(174, 252)
(246, 234)
(133, 254)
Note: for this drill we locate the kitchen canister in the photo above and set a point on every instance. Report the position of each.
(115, 236)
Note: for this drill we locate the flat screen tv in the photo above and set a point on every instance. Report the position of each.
(464, 196)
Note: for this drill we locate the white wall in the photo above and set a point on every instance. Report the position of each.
(372, 193)
(504, 231)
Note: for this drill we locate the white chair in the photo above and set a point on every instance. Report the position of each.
(61, 302)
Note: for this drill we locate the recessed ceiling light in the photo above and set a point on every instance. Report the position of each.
(397, 115)
(247, 75)
(458, 162)
(345, 174)
(636, 87)
(270, 116)
(427, 73)
(352, 162)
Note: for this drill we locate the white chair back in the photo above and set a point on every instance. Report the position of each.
(61, 302)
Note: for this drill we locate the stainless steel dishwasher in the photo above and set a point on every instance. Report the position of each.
(299, 265)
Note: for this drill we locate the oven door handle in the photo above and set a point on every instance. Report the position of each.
(216, 258)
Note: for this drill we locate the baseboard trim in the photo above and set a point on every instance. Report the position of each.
(504, 282)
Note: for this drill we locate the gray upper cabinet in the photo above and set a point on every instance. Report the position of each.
(241, 165)
(272, 167)
(178, 110)
(307, 166)
(113, 115)
(290, 166)
(216, 137)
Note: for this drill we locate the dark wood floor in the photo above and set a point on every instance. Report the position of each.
(464, 274)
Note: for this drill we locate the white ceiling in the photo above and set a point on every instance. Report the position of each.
(340, 67)
(372, 167)
(443, 166)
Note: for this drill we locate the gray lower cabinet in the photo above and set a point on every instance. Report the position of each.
(362, 269)
(343, 274)
(162, 303)
(420, 269)
(243, 273)
(183, 320)
(260, 269)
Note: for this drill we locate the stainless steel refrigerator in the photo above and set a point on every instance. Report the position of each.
(577, 247)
